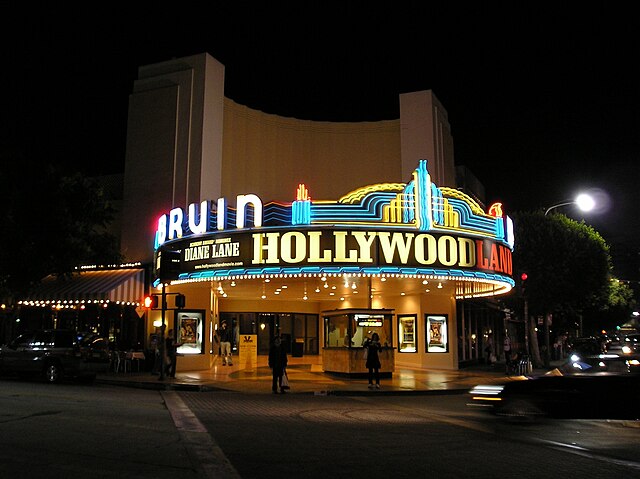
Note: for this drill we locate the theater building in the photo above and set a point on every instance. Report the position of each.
(324, 231)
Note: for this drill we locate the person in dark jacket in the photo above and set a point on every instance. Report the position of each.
(373, 346)
(226, 339)
(277, 363)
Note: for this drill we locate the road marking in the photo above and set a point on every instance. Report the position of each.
(198, 442)
(581, 451)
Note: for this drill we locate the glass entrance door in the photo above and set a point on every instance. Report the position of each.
(267, 324)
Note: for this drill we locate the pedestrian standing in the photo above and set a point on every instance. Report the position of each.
(373, 347)
(506, 347)
(489, 351)
(154, 348)
(226, 337)
(277, 363)
(171, 348)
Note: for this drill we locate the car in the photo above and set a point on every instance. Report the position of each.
(631, 344)
(54, 354)
(594, 396)
(605, 363)
(587, 346)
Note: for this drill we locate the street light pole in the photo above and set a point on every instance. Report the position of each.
(584, 201)
(557, 206)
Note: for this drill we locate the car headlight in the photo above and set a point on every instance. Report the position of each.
(626, 349)
(575, 357)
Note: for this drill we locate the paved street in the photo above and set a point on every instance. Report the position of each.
(267, 436)
(78, 431)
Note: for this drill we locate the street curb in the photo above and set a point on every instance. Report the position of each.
(160, 386)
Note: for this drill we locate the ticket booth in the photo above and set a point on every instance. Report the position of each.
(345, 331)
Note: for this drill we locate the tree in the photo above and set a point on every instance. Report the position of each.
(52, 223)
(614, 309)
(567, 263)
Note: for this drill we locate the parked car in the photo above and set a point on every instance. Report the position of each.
(54, 354)
(586, 346)
(594, 396)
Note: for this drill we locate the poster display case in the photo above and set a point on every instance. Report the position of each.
(407, 338)
(189, 326)
(437, 333)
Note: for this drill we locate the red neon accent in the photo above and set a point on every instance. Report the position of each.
(495, 210)
(524, 276)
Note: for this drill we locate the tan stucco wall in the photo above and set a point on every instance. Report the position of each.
(271, 155)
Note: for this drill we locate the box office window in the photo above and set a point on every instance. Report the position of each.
(351, 329)
(437, 333)
(407, 338)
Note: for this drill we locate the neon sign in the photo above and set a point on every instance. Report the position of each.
(415, 228)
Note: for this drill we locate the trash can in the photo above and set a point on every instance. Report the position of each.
(297, 348)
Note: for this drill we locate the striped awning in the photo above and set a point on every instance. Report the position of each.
(118, 285)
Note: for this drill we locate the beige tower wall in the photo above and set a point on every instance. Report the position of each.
(426, 134)
(186, 143)
(174, 145)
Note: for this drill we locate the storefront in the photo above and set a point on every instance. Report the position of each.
(105, 301)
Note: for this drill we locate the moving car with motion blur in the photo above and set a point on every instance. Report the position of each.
(589, 396)
(54, 354)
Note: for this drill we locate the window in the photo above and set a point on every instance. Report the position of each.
(352, 328)
(407, 340)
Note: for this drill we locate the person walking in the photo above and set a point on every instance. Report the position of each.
(372, 347)
(171, 346)
(226, 337)
(277, 363)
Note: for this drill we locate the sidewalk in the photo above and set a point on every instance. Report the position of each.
(306, 377)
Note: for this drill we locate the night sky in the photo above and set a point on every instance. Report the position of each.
(543, 99)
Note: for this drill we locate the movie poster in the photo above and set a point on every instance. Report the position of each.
(437, 340)
(189, 328)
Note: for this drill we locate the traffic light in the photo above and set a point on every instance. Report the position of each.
(151, 301)
(523, 283)
(168, 265)
(180, 301)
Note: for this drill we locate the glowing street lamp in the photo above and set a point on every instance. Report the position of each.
(584, 202)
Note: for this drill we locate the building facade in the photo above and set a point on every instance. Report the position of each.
(322, 231)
